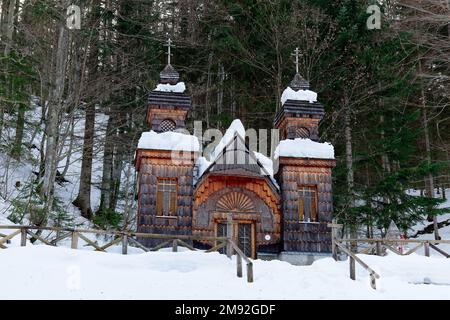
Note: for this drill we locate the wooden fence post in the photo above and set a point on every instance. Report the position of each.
(125, 244)
(239, 265)
(426, 245)
(175, 245)
(352, 268)
(334, 238)
(250, 272)
(379, 248)
(74, 244)
(229, 235)
(334, 249)
(23, 237)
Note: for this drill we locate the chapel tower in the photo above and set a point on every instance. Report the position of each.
(168, 104)
(304, 173)
(165, 161)
(299, 118)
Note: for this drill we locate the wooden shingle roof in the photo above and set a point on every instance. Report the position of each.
(237, 160)
(169, 99)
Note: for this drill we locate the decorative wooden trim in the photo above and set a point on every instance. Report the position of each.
(303, 121)
(306, 162)
(166, 157)
(165, 112)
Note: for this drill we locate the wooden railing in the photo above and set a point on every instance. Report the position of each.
(379, 247)
(126, 238)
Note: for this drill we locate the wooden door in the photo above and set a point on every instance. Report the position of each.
(221, 232)
(245, 238)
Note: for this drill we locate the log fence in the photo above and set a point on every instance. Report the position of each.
(378, 247)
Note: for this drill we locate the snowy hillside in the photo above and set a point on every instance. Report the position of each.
(14, 176)
(60, 273)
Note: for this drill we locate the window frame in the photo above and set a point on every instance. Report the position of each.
(172, 122)
(314, 215)
(175, 195)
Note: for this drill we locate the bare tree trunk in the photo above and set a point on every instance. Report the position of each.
(384, 158)
(429, 180)
(349, 166)
(349, 154)
(18, 139)
(208, 88)
(69, 151)
(9, 29)
(83, 200)
(233, 100)
(2, 33)
(53, 117)
(221, 78)
(105, 197)
(6, 30)
(118, 162)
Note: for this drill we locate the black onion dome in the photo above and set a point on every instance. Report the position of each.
(299, 83)
(169, 75)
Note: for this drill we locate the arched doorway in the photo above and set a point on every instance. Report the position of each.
(252, 207)
(240, 209)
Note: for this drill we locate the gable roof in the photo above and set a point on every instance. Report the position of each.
(236, 159)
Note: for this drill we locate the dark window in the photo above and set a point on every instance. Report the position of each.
(167, 125)
(307, 204)
(166, 197)
(302, 133)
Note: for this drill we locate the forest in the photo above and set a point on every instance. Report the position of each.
(77, 97)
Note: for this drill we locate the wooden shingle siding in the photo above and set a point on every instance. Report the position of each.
(266, 201)
(152, 165)
(302, 236)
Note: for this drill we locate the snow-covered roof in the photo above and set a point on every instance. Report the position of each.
(257, 161)
(266, 162)
(168, 141)
(304, 148)
(300, 95)
(180, 87)
(236, 127)
(202, 164)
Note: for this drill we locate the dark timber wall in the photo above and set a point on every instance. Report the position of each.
(294, 173)
(160, 164)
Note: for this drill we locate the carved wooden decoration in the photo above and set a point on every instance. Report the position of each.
(235, 202)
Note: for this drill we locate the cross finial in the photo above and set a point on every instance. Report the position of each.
(169, 47)
(297, 55)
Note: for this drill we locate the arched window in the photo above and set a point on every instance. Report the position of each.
(167, 125)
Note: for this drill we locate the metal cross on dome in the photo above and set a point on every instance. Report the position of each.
(297, 54)
(169, 47)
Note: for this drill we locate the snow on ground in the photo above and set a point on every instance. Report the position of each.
(300, 95)
(444, 232)
(61, 273)
(12, 172)
(304, 148)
